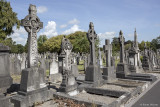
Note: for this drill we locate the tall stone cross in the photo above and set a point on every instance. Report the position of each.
(121, 40)
(32, 25)
(92, 36)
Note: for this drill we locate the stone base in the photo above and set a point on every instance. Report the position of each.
(54, 78)
(109, 74)
(122, 70)
(73, 93)
(5, 101)
(93, 75)
(5, 83)
(25, 99)
(68, 84)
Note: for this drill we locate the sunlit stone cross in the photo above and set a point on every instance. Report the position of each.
(92, 36)
(32, 25)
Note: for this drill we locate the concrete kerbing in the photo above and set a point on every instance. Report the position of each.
(141, 95)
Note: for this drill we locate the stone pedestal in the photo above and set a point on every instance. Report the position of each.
(32, 88)
(93, 76)
(109, 74)
(69, 85)
(122, 70)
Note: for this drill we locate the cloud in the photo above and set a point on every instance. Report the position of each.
(106, 35)
(41, 9)
(73, 29)
(74, 21)
(50, 29)
(130, 35)
(20, 36)
(63, 26)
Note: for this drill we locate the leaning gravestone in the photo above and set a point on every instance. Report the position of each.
(93, 75)
(5, 78)
(108, 71)
(33, 88)
(122, 68)
(69, 84)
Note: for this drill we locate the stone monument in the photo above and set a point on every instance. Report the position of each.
(93, 75)
(108, 70)
(122, 68)
(32, 87)
(69, 84)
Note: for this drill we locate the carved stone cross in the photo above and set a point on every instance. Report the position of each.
(92, 36)
(121, 40)
(32, 25)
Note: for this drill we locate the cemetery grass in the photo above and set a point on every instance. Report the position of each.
(16, 78)
(81, 66)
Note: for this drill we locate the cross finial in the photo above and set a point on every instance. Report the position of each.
(120, 33)
(91, 26)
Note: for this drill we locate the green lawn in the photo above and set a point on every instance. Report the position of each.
(81, 66)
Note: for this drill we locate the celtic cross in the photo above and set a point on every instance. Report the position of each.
(92, 36)
(32, 25)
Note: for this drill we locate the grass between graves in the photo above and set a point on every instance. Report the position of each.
(16, 78)
(81, 66)
(47, 72)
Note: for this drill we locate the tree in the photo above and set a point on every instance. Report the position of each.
(8, 19)
(20, 48)
(41, 40)
(115, 46)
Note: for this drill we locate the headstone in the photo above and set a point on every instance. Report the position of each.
(43, 65)
(54, 75)
(108, 70)
(122, 67)
(93, 75)
(69, 84)
(100, 58)
(5, 78)
(17, 66)
(33, 88)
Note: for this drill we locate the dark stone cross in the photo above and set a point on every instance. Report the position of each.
(32, 25)
(121, 40)
(92, 36)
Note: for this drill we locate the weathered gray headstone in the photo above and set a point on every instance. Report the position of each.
(54, 75)
(5, 78)
(32, 87)
(93, 74)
